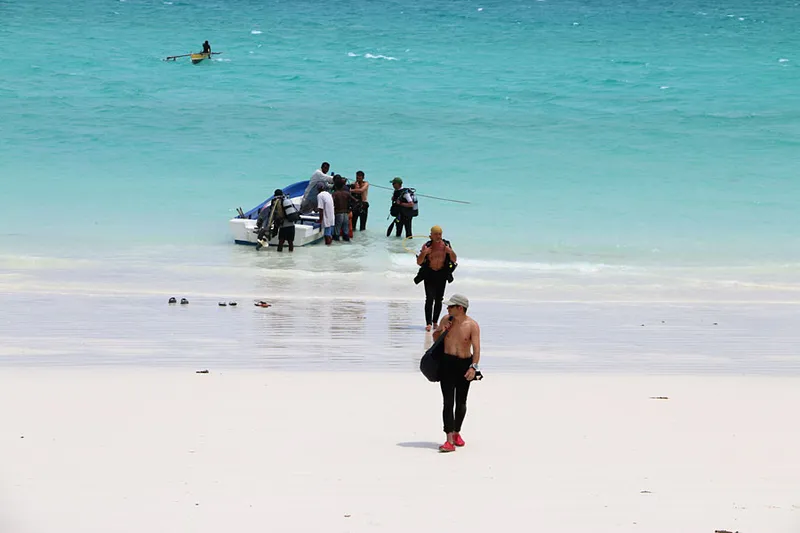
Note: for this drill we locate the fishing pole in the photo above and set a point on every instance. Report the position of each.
(425, 195)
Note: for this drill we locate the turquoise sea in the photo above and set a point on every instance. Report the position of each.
(631, 170)
(585, 135)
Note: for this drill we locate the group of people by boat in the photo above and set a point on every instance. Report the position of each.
(342, 207)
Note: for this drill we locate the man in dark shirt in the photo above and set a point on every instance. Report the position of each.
(206, 48)
(341, 208)
(402, 207)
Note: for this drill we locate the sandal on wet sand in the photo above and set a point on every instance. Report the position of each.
(233, 304)
(184, 301)
(172, 300)
(222, 304)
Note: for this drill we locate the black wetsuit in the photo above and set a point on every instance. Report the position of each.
(455, 388)
(435, 284)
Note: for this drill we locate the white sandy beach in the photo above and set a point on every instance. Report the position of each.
(133, 450)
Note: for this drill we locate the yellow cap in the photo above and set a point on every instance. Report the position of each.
(436, 229)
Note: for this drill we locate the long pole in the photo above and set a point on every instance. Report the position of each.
(426, 195)
(173, 58)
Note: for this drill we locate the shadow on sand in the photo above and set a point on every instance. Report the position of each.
(421, 445)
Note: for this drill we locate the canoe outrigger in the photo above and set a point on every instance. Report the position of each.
(196, 57)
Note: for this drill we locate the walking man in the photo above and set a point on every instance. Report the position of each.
(457, 367)
(436, 260)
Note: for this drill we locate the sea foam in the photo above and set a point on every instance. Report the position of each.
(373, 56)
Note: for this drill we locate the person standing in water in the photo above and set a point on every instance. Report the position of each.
(320, 175)
(360, 190)
(436, 259)
(457, 367)
(402, 207)
(326, 213)
(341, 208)
(289, 215)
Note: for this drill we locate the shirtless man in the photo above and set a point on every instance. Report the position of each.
(360, 190)
(457, 367)
(434, 255)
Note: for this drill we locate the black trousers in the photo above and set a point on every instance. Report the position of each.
(455, 388)
(435, 284)
(403, 222)
(360, 217)
(286, 234)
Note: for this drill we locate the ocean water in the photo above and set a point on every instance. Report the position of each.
(655, 140)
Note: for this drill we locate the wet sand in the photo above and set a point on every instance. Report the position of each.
(370, 333)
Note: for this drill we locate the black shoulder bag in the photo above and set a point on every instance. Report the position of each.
(429, 364)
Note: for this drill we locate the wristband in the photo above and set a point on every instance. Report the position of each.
(474, 366)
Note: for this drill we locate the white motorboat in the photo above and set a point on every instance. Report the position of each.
(307, 230)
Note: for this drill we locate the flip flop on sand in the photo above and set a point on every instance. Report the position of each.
(222, 304)
(172, 300)
(262, 303)
(184, 301)
(233, 304)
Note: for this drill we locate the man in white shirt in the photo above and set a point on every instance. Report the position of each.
(326, 213)
(320, 175)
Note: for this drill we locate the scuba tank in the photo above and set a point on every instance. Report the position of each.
(290, 211)
(413, 194)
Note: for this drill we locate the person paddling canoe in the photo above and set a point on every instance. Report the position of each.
(206, 48)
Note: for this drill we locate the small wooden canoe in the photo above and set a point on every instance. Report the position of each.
(196, 58)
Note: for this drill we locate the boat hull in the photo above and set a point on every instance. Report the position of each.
(243, 231)
(307, 231)
(197, 58)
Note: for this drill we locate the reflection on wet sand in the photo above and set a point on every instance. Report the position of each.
(346, 334)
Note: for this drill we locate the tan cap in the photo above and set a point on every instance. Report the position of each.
(457, 299)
